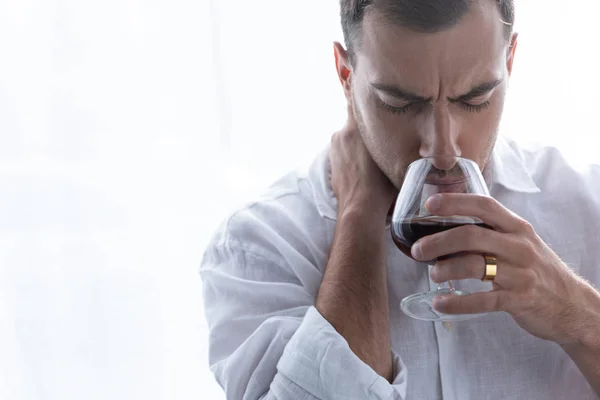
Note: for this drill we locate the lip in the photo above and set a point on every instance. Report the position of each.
(442, 182)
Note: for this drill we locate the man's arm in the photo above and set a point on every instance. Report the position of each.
(353, 295)
(588, 361)
(586, 351)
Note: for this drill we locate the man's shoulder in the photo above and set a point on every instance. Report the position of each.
(559, 175)
(285, 218)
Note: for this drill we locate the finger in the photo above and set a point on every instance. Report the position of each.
(467, 266)
(486, 208)
(472, 239)
(476, 303)
(472, 266)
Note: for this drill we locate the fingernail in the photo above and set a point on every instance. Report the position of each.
(416, 251)
(433, 203)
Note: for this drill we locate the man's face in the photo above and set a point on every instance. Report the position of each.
(430, 95)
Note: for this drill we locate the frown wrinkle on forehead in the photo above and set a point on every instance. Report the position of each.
(434, 65)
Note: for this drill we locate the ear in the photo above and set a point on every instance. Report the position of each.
(343, 68)
(510, 57)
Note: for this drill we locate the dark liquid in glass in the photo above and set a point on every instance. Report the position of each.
(408, 232)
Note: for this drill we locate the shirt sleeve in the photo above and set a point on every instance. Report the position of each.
(267, 341)
(318, 359)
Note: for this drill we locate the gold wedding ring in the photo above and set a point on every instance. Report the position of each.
(491, 268)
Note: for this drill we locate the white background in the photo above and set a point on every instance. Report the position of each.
(130, 128)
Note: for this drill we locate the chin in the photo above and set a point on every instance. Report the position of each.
(396, 176)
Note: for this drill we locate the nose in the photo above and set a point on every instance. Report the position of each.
(439, 138)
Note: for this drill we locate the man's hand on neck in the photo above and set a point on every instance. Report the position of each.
(353, 294)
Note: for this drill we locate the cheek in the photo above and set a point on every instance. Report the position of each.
(381, 127)
(385, 127)
(478, 125)
(478, 132)
(391, 139)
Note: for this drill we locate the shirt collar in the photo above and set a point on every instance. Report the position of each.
(318, 176)
(506, 168)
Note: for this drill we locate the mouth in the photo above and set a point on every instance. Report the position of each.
(443, 182)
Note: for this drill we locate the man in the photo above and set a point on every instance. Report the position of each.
(303, 287)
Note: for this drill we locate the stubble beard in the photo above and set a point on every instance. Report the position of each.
(362, 130)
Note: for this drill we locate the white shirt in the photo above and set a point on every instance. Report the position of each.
(263, 269)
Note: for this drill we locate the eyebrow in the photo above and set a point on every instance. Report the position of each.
(478, 91)
(405, 95)
(401, 94)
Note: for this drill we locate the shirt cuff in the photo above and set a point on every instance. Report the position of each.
(319, 360)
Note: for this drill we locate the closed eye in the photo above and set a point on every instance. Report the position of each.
(474, 107)
(398, 110)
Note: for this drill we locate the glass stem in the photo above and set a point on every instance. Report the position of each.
(446, 285)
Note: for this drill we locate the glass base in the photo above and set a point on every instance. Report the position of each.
(420, 306)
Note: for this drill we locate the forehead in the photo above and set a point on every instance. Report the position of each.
(472, 50)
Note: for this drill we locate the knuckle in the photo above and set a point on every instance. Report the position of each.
(527, 227)
(529, 277)
(488, 204)
(529, 250)
(522, 247)
(529, 283)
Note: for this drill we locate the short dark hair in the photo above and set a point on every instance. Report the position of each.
(427, 16)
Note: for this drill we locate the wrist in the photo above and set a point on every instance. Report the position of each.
(590, 340)
(362, 214)
(587, 327)
(364, 207)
